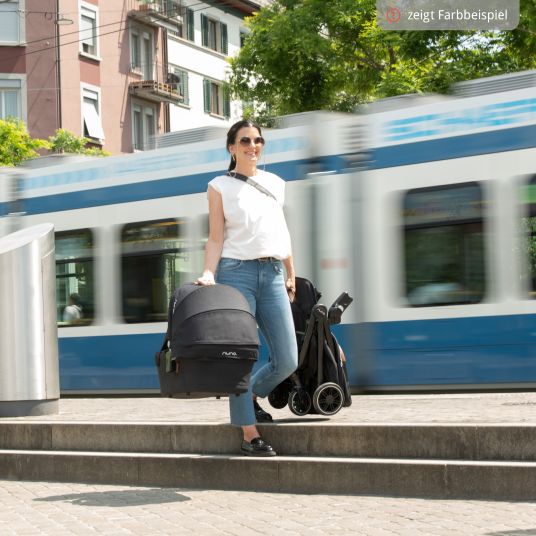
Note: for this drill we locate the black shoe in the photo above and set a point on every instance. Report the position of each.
(260, 414)
(257, 447)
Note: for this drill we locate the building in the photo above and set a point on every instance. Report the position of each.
(28, 59)
(119, 71)
(198, 61)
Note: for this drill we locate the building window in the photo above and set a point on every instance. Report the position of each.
(92, 114)
(141, 52)
(172, 8)
(10, 99)
(74, 277)
(88, 30)
(214, 34)
(215, 103)
(12, 22)
(143, 126)
(216, 99)
(444, 245)
(154, 262)
(185, 28)
(135, 50)
(179, 80)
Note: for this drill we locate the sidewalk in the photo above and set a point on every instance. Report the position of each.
(58, 509)
(512, 408)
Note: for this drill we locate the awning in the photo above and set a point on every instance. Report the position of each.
(92, 121)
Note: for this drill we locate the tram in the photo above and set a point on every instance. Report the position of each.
(422, 208)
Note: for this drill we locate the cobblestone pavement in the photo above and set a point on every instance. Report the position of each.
(38, 508)
(511, 407)
(58, 509)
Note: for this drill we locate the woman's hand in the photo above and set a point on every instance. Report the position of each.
(291, 288)
(206, 279)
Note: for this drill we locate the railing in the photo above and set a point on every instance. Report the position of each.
(156, 12)
(153, 82)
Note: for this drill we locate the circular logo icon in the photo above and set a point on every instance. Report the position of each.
(392, 15)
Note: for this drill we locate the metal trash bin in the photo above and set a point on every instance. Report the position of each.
(29, 367)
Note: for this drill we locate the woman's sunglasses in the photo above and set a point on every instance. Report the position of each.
(245, 141)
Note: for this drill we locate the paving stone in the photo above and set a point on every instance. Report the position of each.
(57, 509)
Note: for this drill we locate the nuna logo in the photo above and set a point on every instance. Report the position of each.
(229, 354)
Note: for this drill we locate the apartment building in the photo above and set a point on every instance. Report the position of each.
(198, 54)
(28, 59)
(119, 71)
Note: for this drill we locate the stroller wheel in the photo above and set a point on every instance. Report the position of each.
(278, 398)
(299, 402)
(328, 398)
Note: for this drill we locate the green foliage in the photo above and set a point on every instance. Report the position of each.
(16, 145)
(64, 141)
(529, 227)
(303, 55)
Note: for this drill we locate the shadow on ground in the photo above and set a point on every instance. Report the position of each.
(520, 532)
(119, 498)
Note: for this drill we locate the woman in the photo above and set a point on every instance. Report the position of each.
(247, 248)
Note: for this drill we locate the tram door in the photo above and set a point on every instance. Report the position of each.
(334, 235)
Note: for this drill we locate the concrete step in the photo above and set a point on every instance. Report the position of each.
(286, 474)
(434, 441)
(484, 461)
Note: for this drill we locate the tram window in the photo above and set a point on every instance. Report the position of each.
(529, 229)
(444, 245)
(154, 261)
(74, 277)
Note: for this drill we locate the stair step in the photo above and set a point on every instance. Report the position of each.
(480, 461)
(445, 441)
(287, 474)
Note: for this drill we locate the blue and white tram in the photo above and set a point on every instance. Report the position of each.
(129, 229)
(447, 255)
(425, 213)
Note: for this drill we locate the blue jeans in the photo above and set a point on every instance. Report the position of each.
(263, 285)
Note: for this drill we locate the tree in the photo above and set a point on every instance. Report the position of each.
(303, 55)
(16, 145)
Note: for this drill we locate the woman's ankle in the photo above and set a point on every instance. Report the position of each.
(250, 432)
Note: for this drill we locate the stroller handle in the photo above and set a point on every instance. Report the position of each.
(338, 307)
(320, 311)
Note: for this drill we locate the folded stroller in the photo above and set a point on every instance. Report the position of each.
(320, 383)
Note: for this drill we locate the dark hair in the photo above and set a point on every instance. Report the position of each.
(233, 131)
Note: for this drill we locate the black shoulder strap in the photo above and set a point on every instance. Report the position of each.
(251, 182)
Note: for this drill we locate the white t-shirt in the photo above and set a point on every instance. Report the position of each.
(255, 225)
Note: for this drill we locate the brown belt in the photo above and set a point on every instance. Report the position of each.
(267, 259)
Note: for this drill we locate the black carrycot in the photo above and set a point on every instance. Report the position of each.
(211, 343)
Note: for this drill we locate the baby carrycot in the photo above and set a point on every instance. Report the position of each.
(320, 383)
(211, 343)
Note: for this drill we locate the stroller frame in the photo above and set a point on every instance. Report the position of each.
(320, 386)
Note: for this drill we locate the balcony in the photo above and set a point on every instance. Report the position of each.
(159, 13)
(154, 83)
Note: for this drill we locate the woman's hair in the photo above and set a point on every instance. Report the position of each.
(233, 131)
